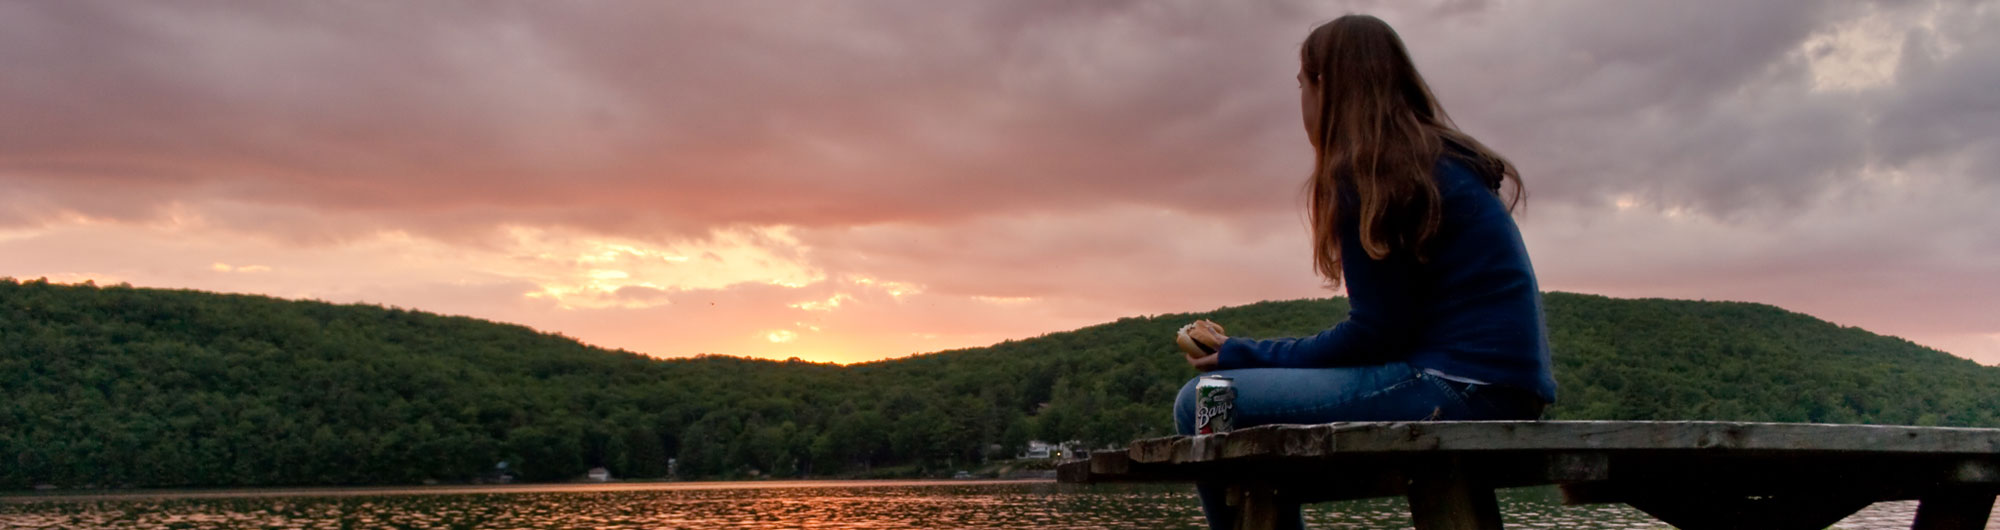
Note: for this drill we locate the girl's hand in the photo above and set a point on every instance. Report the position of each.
(1213, 328)
(1199, 342)
(1205, 363)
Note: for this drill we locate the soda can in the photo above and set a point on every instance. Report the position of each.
(1214, 404)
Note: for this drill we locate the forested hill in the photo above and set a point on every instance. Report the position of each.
(117, 386)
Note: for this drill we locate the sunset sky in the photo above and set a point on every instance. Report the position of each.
(848, 181)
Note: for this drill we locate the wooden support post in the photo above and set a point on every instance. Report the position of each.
(1954, 510)
(1256, 506)
(1076, 472)
(1444, 496)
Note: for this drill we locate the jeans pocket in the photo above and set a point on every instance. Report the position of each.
(1458, 396)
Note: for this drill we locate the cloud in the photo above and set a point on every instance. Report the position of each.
(245, 269)
(972, 171)
(637, 120)
(845, 318)
(1864, 249)
(1143, 258)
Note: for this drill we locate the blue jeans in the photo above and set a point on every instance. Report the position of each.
(1389, 392)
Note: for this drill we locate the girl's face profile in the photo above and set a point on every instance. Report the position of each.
(1309, 106)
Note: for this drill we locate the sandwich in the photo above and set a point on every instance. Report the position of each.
(1188, 344)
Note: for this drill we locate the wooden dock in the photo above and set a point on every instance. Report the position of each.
(1692, 475)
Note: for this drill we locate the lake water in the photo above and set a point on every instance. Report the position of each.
(832, 504)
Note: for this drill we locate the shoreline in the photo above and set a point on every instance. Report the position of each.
(22, 497)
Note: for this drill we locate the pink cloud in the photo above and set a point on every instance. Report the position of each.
(1084, 160)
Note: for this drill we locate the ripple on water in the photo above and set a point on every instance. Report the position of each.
(858, 506)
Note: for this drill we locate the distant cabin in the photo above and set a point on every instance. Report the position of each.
(598, 474)
(1041, 449)
(1036, 449)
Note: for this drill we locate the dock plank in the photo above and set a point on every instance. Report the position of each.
(1767, 473)
(1332, 439)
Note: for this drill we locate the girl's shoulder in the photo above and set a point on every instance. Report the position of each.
(1454, 175)
(1467, 195)
(1460, 165)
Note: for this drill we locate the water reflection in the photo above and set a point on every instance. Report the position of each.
(868, 505)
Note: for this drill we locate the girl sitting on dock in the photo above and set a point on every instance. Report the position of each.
(1446, 319)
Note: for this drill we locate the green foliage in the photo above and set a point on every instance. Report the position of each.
(116, 386)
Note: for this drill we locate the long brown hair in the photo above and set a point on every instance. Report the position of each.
(1380, 132)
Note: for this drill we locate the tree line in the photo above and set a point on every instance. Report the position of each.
(119, 386)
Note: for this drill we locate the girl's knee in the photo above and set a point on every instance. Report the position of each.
(1184, 408)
